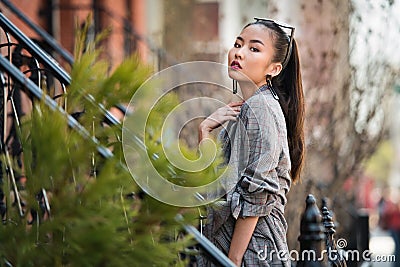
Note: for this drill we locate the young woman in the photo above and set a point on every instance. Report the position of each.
(263, 145)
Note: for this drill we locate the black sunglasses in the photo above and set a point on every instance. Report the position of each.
(286, 26)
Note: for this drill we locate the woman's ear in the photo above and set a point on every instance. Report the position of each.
(274, 69)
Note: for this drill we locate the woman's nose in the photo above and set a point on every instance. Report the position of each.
(239, 53)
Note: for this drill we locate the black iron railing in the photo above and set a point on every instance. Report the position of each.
(31, 87)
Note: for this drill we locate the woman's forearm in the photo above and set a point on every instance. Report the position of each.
(242, 233)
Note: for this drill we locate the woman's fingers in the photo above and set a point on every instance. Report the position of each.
(233, 107)
(231, 118)
(232, 112)
(231, 115)
(223, 114)
(235, 104)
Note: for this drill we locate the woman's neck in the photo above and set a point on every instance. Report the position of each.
(248, 89)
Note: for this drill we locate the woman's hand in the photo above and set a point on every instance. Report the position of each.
(219, 117)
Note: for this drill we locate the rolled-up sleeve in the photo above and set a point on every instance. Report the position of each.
(260, 149)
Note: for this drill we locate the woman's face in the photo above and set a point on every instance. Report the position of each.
(252, 55)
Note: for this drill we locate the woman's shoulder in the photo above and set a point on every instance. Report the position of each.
(264, 108)
(263, 102)
(262, 97)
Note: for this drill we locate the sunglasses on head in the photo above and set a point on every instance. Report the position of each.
(290, 36)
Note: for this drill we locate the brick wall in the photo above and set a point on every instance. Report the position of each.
(61, 18)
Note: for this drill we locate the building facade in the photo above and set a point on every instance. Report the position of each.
(161, 32)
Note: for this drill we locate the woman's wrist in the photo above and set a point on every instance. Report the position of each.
(236, 260)
(204, 131)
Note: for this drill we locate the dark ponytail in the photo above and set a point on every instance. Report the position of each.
(288, 86)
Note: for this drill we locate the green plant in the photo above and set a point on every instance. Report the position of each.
(92, 221)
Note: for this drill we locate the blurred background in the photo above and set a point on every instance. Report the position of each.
(350, 67)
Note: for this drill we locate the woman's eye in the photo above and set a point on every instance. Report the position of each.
(253, 49)
(236, 45)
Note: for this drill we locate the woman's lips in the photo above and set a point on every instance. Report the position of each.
(235, 65)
